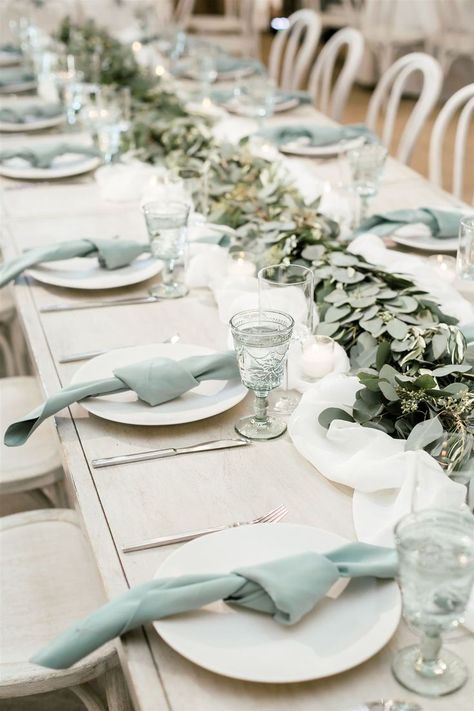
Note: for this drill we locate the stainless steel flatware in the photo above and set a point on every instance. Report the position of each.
(272, 516)
(73, 306)
(169, 452)
(387, 705)
(74, 357)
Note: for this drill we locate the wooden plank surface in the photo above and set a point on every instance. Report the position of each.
(129, 503)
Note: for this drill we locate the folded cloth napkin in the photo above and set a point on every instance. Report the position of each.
(468, 331)
(155, 380)
(225, 63)
(316, 135)
(286, 588)
(25, 113)
(42, 157)
(10, 48)
(15, 75)
(441, 223)
(111, 253)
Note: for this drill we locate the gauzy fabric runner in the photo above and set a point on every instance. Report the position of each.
(287, 589)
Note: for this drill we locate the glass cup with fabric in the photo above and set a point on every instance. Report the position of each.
(436, 574)
(366, 164)
(167, 223)
(290, 288)
(261, 340)
(465, 255)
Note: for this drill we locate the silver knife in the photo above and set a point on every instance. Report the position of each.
(170, 452)
(71, 306)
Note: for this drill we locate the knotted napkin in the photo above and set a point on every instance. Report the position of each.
(17, 75)
(316, 135)
(287, 589)
(42, 157)
(111, 253)
(441, 223)
(24, 114)
(155, 380)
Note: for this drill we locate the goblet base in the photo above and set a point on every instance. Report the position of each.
(285, 404)
(169, 291)
(251, 428)
(449, 676)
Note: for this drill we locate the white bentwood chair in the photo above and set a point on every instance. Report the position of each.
(293, 49)
(49, 581)
(332, 101)
(389, 91)
(463, 101)
(454, 36)
(235, 32)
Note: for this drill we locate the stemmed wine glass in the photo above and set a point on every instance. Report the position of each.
(261, 339)
(291, 289)
(436, 573)
(366, 165)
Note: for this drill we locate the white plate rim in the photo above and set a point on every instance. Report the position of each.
(414, 241)
(279, 107)
(193, 415)
(29, 173)
(45, 276)
(18, 88)
(391, 617)
(316, 151)
(39, 125)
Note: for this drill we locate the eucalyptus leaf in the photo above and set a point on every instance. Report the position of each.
(397, 329)
(335, 313)
(333, 413)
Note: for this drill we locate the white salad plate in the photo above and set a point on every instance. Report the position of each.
(301, 147)
(418, 236)
(9, 59)
(35, 124)
(18, 88)
(211, 397)
(234, 106)
(86, 273)
(243, 644)
(64, 166)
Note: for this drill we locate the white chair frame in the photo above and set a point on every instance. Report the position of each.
(332, 103)
(463, 97)
(389, 91)
(293, 49)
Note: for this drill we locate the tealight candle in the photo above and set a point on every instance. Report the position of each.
(317, 358)
(241, 264)
(444, 266)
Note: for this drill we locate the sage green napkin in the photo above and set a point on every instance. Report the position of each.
(155, 380)
(26, 113)
(42, 157)
(15, 75)
(468, 332)
(316, 135)
(225, 63)
(442, 223)
(287, 589)
(111, 253)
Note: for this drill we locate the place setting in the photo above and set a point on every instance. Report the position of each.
(29, 115)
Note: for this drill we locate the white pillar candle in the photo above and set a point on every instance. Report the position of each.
(240, 265)
(444, 266)
(317, 359)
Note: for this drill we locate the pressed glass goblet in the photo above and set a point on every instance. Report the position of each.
(366, 165)
(436, 573)
(167, 230)
(465, 257)
(291, 289)
(261, 339)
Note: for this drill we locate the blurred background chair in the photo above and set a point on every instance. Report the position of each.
(463, 101)
(388, 94)
(341, 13)
(330, 95)
(454, 36)
(234, 31)
(293, 49)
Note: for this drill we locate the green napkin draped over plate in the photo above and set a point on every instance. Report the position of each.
(111, 253)
(442, 223)
(155, 380)
(15, 75)
(287, 589)
(26, 113)
(225, 63)
(316, 135)
(42, 157)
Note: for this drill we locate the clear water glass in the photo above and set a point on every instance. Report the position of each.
(289, 288)
(465, 255)
(261, 340)
(256, 97)
(193, 183)
(167, 231)
(436, 574)
(366, 165)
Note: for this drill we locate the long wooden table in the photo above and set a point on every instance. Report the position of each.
(129, 503)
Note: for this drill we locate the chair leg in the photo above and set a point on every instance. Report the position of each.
(116, 690)
(40, 498)
(8, 358)
(89, 697)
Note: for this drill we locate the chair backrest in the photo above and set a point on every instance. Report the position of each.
(182, 12)
(462, 98)
(333, 102)
(389, 91)
(293, 49)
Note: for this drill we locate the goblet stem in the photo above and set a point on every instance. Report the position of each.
(428, 663)
(364, 208)
(261, 407)
(167, 275)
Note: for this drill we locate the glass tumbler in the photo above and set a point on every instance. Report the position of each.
(167, 231)
(436, 573)
(261, 339)
(465, 256)
(366, 165)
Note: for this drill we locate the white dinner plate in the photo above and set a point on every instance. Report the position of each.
(300, 148)
(85, 273)
(211, 397)
(9, 59)
(64, 166)
(34, 125)
(18, 88)
(337, 635)
(418, 240)
(235, 107)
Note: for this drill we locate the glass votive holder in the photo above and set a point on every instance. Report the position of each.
(444, 266)
(241, 263)
(317, 357)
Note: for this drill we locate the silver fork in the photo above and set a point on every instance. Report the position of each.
(272, 516)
